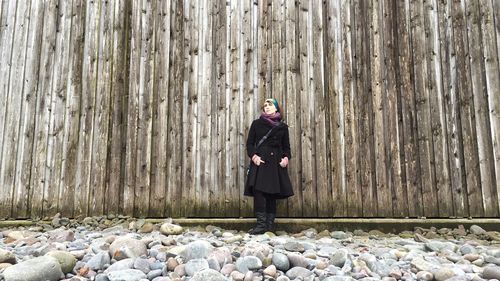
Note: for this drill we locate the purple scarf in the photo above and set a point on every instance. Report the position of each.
(272, 119)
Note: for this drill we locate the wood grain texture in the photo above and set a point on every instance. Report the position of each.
(142, 108)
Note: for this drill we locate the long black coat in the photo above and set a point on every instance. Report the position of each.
(269, 177)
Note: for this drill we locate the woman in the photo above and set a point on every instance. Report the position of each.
(268, 147)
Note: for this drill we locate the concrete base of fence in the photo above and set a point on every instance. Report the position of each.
(298, 224)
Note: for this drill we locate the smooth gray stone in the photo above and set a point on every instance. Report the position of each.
(41, 268)
(126, 275)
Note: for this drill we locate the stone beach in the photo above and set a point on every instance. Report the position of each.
(126, 249)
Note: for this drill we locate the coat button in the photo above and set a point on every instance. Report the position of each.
(272, 153)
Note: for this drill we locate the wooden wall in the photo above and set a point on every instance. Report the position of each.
(142, 107)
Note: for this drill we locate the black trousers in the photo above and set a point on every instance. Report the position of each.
(263, 203)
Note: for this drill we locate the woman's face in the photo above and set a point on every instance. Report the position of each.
(269, 108)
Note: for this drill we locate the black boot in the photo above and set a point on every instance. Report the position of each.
(261, 225)
(270, 221)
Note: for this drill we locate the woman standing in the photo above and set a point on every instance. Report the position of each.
(268, 146)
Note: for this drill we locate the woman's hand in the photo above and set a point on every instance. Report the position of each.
(284, 162)
(257, 160)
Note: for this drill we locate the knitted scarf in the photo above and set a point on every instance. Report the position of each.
(272, 119)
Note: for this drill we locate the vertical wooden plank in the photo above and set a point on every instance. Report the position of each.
(437, 114)
(411, 168)
(21, 204)
(15, 107)
(491, 41)
(482, 122)
(57, 102)
(144, 122)
(160, 111)
(245, 95)
(306, 111)
(133, 110)
(216, 198)
(379, 99)
(352, 179)
(226, 199)
(234, 101)
(118, 100)
(264, 53)
(392, 114)
(7, 39)
(72, 110)
(361, 51)
(244, 204)
(465, 99)
(87, 104)
(176, 108)
(100, 122)
(38, 180)
(334, 76)
(452, 109)
(205, 155)
(292, 104)
(420, 59)
(321, 165)
(189, 195)
(189, 172)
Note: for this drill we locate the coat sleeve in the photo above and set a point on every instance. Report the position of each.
(251, 141)
(285, 142)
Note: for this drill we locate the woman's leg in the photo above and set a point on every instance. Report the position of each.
(259, 206)
(270, 213)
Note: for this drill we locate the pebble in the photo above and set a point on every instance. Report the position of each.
(120, 248)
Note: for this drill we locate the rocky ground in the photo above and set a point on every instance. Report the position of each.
(120, 248)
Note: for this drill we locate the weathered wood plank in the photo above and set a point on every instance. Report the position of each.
(98, 169)
(490, 42)
(420, 59)
(7, 39)
(131, 160)
(225, 201)
(292, 106)
(437, 113)
(190, 99)
(118, 103)
(310, 203)
(216, 196)
(69, 165)
(21, 203)
(176, 107)
(55, 157)
(15, 106)
(321, 161)
(87, 104)
(336, 109)
(157, 200)
(379, 109)
(38, 177)
(350, 109)
(394, 141)
(207, 158)
(364, 99)
(235, 61)
(145, 112)
(468, 135)
(411, 169)
(479, 94)
(452, 109)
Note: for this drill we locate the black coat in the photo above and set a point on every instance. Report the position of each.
(269, 177)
